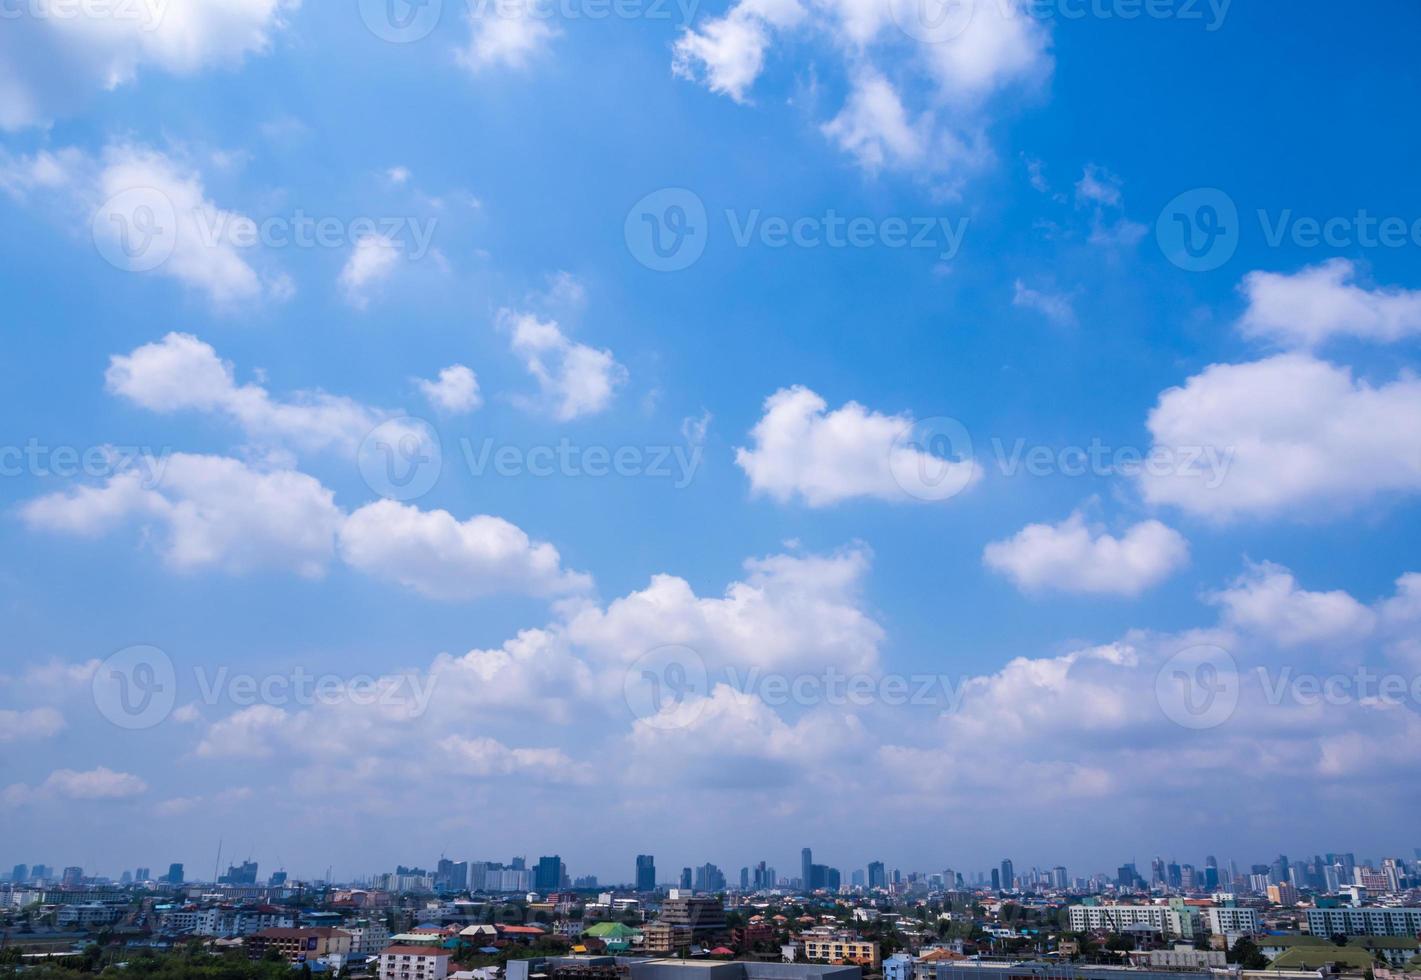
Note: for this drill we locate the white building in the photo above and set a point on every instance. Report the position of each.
(1177, 921)
(1231, 921)
(367, 937)
(1364, 922)
(414, 963)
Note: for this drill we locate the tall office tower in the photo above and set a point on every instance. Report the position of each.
(1157, 879)
(645, 873)
(20, 874)
(857, 878)
(175, 874)
(1211, 873)
(745, 879)
(73, 877)
(876, 876)
(996, 880)
(1008, 875)
(686, 879)
(806, 869)
(548, 877)
(1058, 877)
(143, 874)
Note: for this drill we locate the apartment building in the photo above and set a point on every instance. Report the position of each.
(664, 938)
(299, 945)
(1230, 921)
(701, 914)
(1367, 921)
(414, 963)
(838, 948)
(1175, 921)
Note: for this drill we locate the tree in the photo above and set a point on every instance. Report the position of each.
(1246, 954)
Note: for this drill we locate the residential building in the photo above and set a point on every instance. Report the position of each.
(414, 963)
(831, 946)
(299, 945)
(664, 938)
(1176, 920)
(701, 914)
(1367, 921)
(1228, 920)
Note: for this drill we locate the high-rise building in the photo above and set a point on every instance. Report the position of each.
(240, 874)
(548, 877)
(806, 869)
(277, 880)
(175, 874)
(686, 879)
(1058, 877)
(745, 879)
(1008, 875)
(996, 880)
(143, 874)
(708, 878)
(645, 873)
(877, 877)
(21, 873)
(73, 877)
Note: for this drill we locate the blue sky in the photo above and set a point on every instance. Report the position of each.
(801, 380)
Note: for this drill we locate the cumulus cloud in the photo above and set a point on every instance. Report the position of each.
(506, 36)
(372, 260)
(37, 723)
(182, 373)
(1267, 601)
(802, 451)
(575, 379)
(1304, 437)
(207, 511)
(1074, 557)
(444, 558)
(454, 392)
(917, 91)
(1323, 302)
(67, 784)
(150, 213)
(54, 57)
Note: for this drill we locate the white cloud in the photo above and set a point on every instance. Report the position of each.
(789, 612)
(506, 35)
(1054, 306)
(444, 558)
(1074, 557)
(1098, 186)
(800, 450)
(372, 260)
(54, 57)
(182, 373)
(67, 784)
(483, 757)
(208, 511)
(918, 92)
(149, 213)
(1304, 437)
(37, 723)
(454, 392)
(1321, 302)
(575, 379)
(1268, 601)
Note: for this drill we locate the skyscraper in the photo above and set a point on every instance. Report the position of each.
(20, 874)
(877, 877)
(548, 877)
(996, 880)
(806, 869)
(175, 874)
(686, 879)
(645, 873)
(1008, 875)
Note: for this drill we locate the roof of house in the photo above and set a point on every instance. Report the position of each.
(1314, 957)
(611, 930)
(414, 951)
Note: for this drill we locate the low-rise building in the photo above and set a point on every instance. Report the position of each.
(1366, 921)
(298, 945)
(414, 963)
